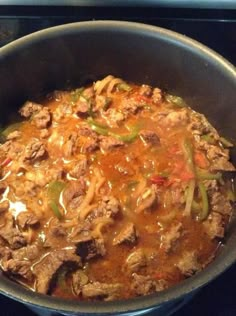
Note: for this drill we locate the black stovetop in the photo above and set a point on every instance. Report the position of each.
(214, 28)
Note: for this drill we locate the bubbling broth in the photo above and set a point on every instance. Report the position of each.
(111, 191)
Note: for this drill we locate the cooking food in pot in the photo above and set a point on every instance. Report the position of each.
(111, 191)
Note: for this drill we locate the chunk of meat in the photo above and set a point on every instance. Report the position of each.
(149, 137)
(176, 118)
(79, 279)
(80, 168)
(18, 268)
(188, 263)
(107, 292)
(14, 135)
(218, 201)
(156, 95)
(12, 236)
(26, 188)
(127, 235)
(89, 247)
(34, 151)
(101, 103)
(44, 133)
(108, 207)
(219, 158)
(5, 253)
(199, 125)
(147, 199)
(108, 143)
(145, 90)
(12, 149)
(136, 260)
(113, 117)
(29, 252)
(27, 219)
(215, 226)
(73, 194)
(47, 270)
(4, 206)
(82, 106)
(30, 108)
(171, 236)
(144, 285)
(55, 234)
(131, 106)
(42, 119)
(71, 144)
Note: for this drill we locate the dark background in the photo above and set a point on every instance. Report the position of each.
(214, 28)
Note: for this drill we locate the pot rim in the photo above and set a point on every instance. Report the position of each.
(24, 295)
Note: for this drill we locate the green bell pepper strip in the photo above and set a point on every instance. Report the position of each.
(205, 203)
(53, 192)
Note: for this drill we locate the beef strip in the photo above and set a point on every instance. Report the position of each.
(25, 219)
(109, 143)
(188, 263)
(79, 279)
(73, 194)
(89, 247)
(30, 108)
(149, 137)
(18, 268)
(4, 206)
(145, 90)
(80, 168)
(144, 285)
(107, 292)
(215, 226)
(47, 270)
(34, 151)
(127, 235)
(136, 260)
(171, 236)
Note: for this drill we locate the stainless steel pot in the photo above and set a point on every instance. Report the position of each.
(74, 54)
